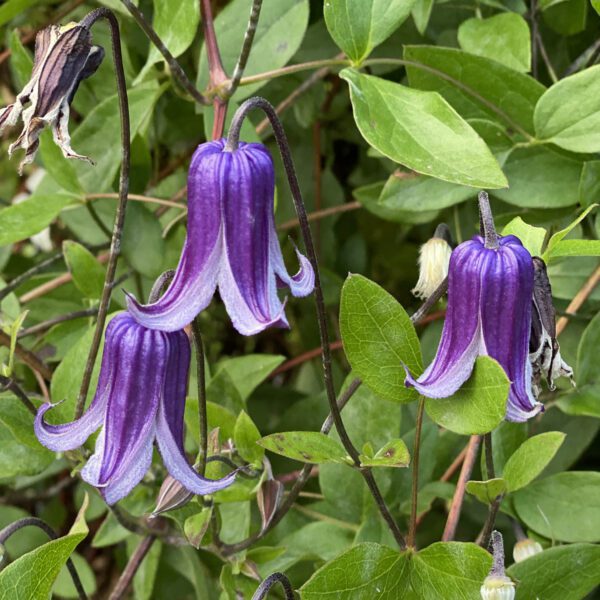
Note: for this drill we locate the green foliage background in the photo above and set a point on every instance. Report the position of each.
(435, 100)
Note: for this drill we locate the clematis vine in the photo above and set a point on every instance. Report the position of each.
(490, 291)
(140, 398)
(64, 56)
(231, 244)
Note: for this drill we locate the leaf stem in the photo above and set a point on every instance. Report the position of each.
(115, 246)
(412, 530)
(131, 569)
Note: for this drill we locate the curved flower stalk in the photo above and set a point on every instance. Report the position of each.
(231, 244)
(64, 56)
(490, 291)
(140, 398)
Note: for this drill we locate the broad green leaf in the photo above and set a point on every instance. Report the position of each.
(449, 570)
(357, 26)
(540, 178)
(589, 185)
(393, 454)
(197, 525)
(587, 364)
(61, 169)
(563, 507)
(176, 23)
(568, 114)
(504, 37)
(487, 491)
(364, 572)
(278, 36)
(532, 237)
(478, 406)
(567, 17)
(584, 401)
(305, 446)
(531, 459)
(20, 451)
(32, 576)
(110, 532)
(506, 438)
(29, 217)
(378, 338)
(560, 573)
(421, 12)
(560, 235)
(576, 248)
(21, 62)
(422, 131)
(475, 86)
(87, 272)
(246, 436)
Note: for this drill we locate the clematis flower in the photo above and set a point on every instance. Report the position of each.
(490, 288)
(231, 244)
(64, 56)
(140, 398)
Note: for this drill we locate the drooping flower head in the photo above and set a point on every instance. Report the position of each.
(140, 398)
(490, 291)
(64, 56)
(231, 244)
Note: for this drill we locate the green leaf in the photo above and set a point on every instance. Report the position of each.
(504, 37)
(589, 185)
(393, 454)
(422, 131)
(305, 446)
(561, 573)
(13, 8)
(61, 169)
(531, 459)
(364, 572)
(357, 26)
(278, 36)
(479, 405)
(22, 220)
(487, 491)
(587, 364)
(176, 23)
(64, 586)
(197, 525)
(21, 62)
(32, 576)
(596, 5)
(540, 178)
(568, 114)
(379, 338)
(581, 402)
(576, 248)
(475, 86)
(88, 273)
(246, 436)
(532, 237)
(421, 12)
(564, 507)
(456, 568)
(560, 235)
(20, 451)
(567, 17)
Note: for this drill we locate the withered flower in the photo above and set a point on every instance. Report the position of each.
(64, 56)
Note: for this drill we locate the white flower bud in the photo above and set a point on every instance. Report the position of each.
(526, 548)
(497, 587)
(434, 259)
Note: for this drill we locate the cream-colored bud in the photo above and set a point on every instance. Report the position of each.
(497, 587)
(526, 548)
(434, 259)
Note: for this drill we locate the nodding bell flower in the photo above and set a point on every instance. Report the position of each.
(140, 398)
(526, 548)
(490, 287)
(231, 244)
(543, 346)
(497, 586)
(434, 260)
(64, 56)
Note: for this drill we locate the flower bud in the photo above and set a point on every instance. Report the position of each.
(434, 260)
(497, 587)
(526, 548)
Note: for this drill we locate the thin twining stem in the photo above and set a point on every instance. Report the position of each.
(272, 580)
(495, 505)
(7, 383)
(175, 67)
(35, 522)
(286, 156)
(115, 244)
(238, 71)
(133, 565)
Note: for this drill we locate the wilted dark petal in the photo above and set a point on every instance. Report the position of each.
(506, 320)
(72, 435)
(461, 337)
(5, 114)
(169, 425)
(44, 41)
(93, 62)
(195, 280)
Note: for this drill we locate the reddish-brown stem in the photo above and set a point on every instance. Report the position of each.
(459, 494)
